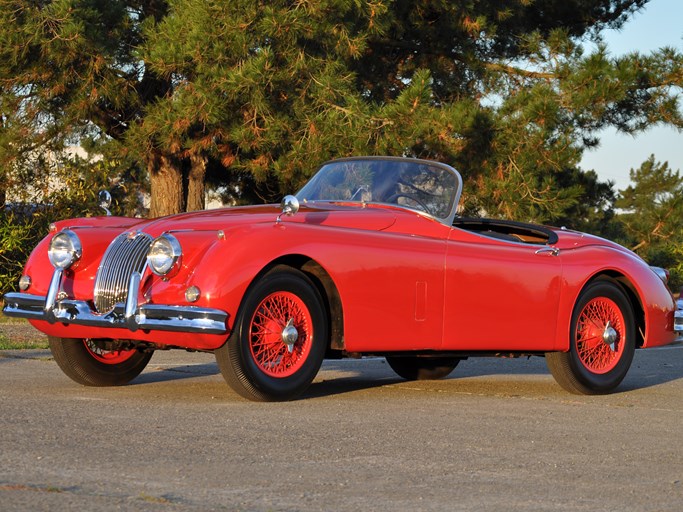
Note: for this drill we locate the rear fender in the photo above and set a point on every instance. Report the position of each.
(652, 302)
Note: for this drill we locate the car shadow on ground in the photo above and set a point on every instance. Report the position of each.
(170, 373)
(346, 385)
(654, 367)
(348, 376)
(650, 368)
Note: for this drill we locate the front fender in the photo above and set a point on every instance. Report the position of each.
(79, 279)
(221, 264)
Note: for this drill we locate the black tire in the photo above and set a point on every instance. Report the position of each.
(591, 366)
(276, 373)
(422, 368)
(84, 363)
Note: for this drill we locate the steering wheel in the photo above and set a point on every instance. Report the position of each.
(410, 197)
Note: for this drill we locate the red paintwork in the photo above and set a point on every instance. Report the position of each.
(405, 281)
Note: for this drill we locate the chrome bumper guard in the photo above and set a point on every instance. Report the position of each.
(152, 317)
(678, 316)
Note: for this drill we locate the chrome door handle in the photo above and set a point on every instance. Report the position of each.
(553, 251)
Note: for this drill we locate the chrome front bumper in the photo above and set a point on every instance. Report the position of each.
(153, 317)
(678, 316)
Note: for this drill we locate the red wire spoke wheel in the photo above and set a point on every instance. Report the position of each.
(279, 339)
(602, 341)
(108, 356)
(601, 318)
(85, 362)
(270, 352)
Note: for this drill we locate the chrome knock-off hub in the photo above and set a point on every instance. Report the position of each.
(290, 335)
(609, 336)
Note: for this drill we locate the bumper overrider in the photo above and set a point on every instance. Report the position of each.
(129, 315)
(678, 316)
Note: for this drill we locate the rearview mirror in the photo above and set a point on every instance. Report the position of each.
(289, 205)
(104, 201)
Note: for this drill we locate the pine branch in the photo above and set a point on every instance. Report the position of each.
(512, 70)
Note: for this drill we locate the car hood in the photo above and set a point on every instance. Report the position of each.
(371, 219)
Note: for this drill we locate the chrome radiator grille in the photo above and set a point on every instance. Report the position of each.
(125, 255)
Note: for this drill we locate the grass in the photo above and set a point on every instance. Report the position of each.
(17, 334)
(7, 344)
(7, 320)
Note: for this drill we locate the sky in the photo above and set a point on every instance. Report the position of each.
(659, 24)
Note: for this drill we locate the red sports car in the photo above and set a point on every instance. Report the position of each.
(369, 258)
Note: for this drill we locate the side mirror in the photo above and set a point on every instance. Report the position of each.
(104, 201)
(289, 206)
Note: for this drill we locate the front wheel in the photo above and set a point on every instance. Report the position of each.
(602, 343)
(86, 363)
(422, 368)
(279, 339)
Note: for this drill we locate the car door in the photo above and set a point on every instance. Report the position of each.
(500, 295)
(391, 287)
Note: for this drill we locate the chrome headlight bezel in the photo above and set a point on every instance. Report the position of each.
(164, 255)
(65, 249)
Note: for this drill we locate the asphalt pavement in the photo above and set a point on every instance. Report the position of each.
(497, 435)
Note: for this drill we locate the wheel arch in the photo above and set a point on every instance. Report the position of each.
(634, 299)
(326, 287)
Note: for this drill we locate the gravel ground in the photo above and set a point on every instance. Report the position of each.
(21, 333)
(496, 435)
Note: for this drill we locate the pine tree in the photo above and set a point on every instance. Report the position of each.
(252, 95)
(70, 70)
(653, 205)
(651, 213)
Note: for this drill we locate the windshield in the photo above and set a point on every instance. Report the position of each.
(421, 185)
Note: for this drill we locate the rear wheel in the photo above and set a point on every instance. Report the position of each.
(422, 368)
(86, 363)
(279, 339)
(602, 342)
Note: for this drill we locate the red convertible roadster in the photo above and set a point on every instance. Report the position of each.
(369, 258)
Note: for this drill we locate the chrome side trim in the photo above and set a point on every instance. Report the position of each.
(153, 317)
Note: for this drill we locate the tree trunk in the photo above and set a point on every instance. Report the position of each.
(166, 180)
(195, 184)
(3, 197)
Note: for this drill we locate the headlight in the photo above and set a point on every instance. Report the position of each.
(65, 249)
(164, 254)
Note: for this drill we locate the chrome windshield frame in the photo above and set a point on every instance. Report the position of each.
(452, 208)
